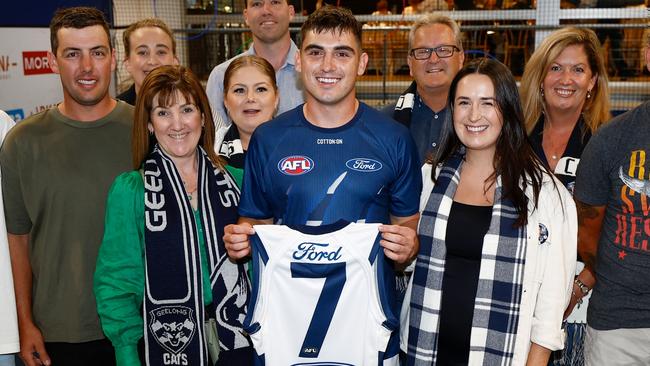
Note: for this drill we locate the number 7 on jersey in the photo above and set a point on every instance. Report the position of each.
(334, 274)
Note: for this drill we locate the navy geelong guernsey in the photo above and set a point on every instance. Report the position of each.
(301, 174)
(363, 171)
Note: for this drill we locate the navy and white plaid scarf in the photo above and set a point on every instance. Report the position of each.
(500, 282)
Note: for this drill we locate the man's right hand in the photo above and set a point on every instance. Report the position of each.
(235, 239)
(32, 347)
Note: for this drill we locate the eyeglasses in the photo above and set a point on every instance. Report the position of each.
(424, 53)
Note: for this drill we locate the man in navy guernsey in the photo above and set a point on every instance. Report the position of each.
(333, 158)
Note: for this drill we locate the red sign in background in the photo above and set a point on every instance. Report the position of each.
(36, 63)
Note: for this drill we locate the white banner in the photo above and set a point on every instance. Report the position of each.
(27, 84)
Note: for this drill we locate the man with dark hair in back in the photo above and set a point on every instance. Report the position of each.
(57, 167)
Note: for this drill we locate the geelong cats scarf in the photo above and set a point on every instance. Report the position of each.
(173, 303)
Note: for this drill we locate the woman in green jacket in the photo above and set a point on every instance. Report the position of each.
(162, 270)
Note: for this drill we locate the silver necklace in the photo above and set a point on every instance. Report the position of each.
(189, 193)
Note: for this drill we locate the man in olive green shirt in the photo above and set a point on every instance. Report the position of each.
(57, 167)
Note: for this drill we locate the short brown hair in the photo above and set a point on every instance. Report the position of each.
(249, 60)
(164, 82)
(78, 18)
(146, 23)
(331, 19)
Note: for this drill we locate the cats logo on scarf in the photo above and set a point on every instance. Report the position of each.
(173, 327)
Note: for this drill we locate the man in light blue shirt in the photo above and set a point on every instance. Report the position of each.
(269, 23)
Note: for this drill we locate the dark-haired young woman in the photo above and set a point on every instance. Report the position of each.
(497, 237)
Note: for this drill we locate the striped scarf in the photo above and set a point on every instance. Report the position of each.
(500, 282)
(173, 304)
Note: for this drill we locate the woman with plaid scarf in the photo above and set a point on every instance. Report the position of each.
(497, 237)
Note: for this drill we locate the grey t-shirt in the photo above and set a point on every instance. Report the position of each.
(56, 173)
(615, 171)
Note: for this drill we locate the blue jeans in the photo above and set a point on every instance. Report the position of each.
(7, 360)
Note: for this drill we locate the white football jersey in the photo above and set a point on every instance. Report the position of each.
(319, 296)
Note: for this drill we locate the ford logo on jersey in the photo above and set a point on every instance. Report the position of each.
(295, 165)
(316, 252)
(363, 165)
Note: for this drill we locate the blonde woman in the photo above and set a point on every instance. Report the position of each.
(565, 98)
(251, 98)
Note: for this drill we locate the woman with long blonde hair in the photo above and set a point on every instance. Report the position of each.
(565, 98)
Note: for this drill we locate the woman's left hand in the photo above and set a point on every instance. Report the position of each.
(400, 243)
(586, 277)
(576, 296)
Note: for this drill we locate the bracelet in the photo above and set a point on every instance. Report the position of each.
(583, 288)
(579, 301)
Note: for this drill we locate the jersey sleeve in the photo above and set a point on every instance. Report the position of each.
(592, 176)
(254, 203)
(119, 275)
(16, 214)
(405, 191)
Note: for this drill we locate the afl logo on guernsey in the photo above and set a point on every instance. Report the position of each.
(295, 165)
(363, 165)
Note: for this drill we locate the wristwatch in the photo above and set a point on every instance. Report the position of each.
(583, 288)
